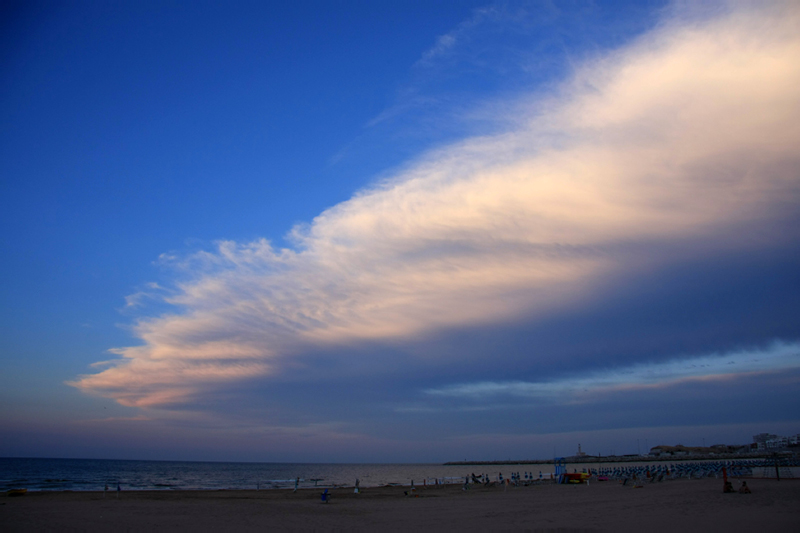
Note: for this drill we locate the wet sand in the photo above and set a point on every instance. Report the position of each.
(685, 505)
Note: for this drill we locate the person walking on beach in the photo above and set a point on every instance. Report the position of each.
(296, 483)
(119, 489)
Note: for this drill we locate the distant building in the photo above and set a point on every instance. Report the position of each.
(763, 437)
(581, 454)
(777, 443)
(722, 449)
(767, 442)
(761, 440)
(678, 450)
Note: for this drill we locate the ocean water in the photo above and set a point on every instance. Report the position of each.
(94, 474)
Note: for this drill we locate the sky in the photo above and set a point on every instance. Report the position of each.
(397, 231)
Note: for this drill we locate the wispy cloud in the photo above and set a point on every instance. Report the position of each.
(447, 42)
(687, 136)
(776, 358)
(138, 418)
(152, 291)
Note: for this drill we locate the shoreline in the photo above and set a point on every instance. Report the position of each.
(626, 459)
(695, 505)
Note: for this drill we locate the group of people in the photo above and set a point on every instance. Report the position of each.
(105, 490)
(515, 478)
(744, 489)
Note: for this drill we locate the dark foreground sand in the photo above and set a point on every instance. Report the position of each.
(681, 505)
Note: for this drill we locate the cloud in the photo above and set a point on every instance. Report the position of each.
(151, 292)
(777, 358)
(447, 42)
(138, 418)
(684, 141)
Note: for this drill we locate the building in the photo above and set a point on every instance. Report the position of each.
(763, 437)
(778, 443)
(761, 440)
(767, 442)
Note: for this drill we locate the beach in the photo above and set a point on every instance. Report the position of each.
(691, 505)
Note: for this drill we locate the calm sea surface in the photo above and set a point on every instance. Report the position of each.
(94, 474)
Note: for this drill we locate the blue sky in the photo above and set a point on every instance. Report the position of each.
(397, 231)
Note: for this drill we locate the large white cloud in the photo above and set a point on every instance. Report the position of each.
(689, 134)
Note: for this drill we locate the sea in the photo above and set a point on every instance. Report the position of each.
(95, 474)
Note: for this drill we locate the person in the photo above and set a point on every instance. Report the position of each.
(119, 489)
(356, 491)
(744, 489)
(728, 487)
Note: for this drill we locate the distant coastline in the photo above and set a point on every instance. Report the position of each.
(627, 459)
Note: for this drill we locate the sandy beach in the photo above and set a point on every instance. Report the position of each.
(686, 505)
